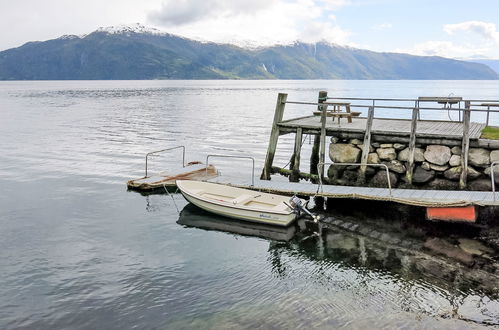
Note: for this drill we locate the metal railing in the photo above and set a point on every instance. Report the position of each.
(476, 106)
(230, 156)
(320, 169)
(163, 150)
(492, 178)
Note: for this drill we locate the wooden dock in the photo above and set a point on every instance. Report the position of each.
(411, 133)
(428, 129)
(416, 197)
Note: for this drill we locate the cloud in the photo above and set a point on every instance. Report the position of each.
(257, 22)
(487, 30)
(382, 26)
(178, 12)
(445, 49)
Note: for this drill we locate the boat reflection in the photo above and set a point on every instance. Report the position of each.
(192, 216)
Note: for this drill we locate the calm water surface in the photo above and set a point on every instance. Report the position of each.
(77, 250)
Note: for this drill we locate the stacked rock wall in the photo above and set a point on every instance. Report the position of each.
(435, 166)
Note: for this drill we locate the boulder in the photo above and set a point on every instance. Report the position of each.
(480, 185)
(395, 166)
(479, 157)
(437, 154)
(456, 150)
(334, 173)
(356, 142)
(443, 184)
(373, 158)
(426, 166)
(375, 144)
(334, 139)
(494, 156)
(399, 146)
(386, 145)
(455, 160)
(454, 173)
(421, 175)
(350, 176)
(379, 179)
(344, 153)
(404, 155)
(386, 153)
(439, 168)
(496, 173)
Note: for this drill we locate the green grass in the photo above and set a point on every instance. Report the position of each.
(491, 133)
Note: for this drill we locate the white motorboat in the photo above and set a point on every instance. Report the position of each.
(239, 203)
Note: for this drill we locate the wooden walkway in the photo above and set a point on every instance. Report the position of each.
(424, 198)
(398, 127)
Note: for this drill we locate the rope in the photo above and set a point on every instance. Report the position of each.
(173, 199)
(302, 142)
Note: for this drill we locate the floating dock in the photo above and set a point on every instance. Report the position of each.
(415, 197)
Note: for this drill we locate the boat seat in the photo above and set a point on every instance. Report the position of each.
(280, 207)
(242, 199)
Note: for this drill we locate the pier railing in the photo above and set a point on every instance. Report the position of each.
(163, 150)
(234, 157)
(450, 104)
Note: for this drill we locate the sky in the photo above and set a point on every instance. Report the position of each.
(456, 29)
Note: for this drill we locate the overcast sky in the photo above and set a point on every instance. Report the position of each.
(459, 28)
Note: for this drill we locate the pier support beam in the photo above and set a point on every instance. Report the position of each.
(367, 146)
(314, 158)
(466, 145)
(412, 145)
(295, 164)
(274, 135)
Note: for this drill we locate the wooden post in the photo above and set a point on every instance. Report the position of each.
(274, 135)
(412, 145)
(466, 145)
(367, 145)
(314, 158)
(322, 154)
(295, 167)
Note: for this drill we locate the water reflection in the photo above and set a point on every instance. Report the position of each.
(192, 216)
(335, 259)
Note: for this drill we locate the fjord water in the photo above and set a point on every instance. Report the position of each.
(77, 250)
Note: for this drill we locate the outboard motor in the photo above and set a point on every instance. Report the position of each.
(298, 206)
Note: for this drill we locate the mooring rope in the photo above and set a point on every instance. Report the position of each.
(173, 199)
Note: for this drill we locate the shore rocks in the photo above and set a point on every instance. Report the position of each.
(373, 158)
(439, 168)
(479, 157)
(395, 166)
(380, 179)
(456, 151)
(387, 153)
(435, 166)
(344, 153)
(494, 156)
(454, 173)
(418, 155)
(421, 175)
(455, 160)
(437, 154)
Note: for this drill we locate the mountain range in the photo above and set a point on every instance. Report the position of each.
(140, 53)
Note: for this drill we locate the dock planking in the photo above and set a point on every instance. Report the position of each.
(387, 126)
(417, 197)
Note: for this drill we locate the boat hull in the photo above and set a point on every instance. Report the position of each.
(227, 209)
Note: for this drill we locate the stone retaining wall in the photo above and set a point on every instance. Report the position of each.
(435, 167)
